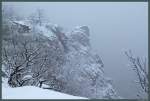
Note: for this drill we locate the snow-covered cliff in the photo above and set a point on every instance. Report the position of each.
(81, 70)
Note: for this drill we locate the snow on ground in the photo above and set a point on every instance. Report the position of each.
(31, 92)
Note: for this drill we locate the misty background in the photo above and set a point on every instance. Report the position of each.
(114, 28)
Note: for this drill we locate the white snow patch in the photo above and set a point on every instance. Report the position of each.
(27, 76)
(46, 32)
(31, 92)
(26, 23)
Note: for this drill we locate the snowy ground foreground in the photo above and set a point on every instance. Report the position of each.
(30, 92)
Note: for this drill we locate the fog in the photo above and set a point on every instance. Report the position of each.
(114, 28)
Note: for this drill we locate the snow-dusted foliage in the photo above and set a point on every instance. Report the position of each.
(140, 66)
(44, 55)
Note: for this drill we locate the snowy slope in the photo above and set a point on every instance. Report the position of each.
(30, 92)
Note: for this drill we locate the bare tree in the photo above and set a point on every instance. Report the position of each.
(19, 57)
(140, 67)
(40, 16)
(37, 17)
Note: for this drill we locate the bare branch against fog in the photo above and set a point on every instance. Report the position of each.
(140, 67)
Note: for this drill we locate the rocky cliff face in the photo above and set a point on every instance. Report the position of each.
(83, 69)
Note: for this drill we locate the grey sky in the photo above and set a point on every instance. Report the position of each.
(114, 27)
